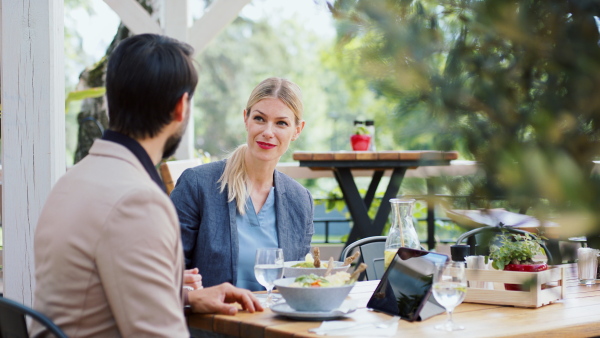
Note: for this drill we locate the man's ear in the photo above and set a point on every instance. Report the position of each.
(181, 108)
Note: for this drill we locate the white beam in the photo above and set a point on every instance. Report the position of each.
(33, 129)
(217, 16)
(176, 19)
(134, 16)
(176, 26)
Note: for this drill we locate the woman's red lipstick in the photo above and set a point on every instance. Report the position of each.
(265, 145)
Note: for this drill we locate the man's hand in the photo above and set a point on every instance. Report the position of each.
(219, 299)
(192, 278)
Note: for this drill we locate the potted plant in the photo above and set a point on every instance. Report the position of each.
(515, 252)
(361, 138)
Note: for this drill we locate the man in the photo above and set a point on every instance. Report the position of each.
(109, 261)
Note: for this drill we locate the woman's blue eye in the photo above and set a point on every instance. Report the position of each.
(283, 123)
(258, 118)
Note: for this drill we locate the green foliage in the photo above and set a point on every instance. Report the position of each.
(79, 95)
(512, 84)
(514, 249)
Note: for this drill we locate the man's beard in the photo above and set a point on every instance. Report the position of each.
(174, 140)
(171, 145)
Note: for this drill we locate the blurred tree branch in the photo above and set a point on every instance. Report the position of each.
(511, 83)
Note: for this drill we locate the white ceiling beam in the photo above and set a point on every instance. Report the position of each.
(134, 16)
(217, 16)
(176, 19)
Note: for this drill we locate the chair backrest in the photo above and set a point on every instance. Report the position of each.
(476, 236)
(171, 170)
(13, 324)
(371, 253)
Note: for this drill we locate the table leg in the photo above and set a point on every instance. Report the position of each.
(355, 205)
(377, 175)
(363, 225)
(385, 207)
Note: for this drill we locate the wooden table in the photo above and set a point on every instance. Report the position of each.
(343, 162)
(578, 315)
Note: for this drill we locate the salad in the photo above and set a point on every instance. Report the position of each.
(309, 262)
(314, 281)
(314, 260)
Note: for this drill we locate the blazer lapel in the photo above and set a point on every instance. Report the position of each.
(235, 245)
(281, 205)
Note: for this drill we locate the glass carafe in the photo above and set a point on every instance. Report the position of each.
(402, 231)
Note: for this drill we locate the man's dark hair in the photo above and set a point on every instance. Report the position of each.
(147, 74)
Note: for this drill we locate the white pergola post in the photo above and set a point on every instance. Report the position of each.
(33, 129)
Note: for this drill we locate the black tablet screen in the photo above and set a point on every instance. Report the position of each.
(406, 285)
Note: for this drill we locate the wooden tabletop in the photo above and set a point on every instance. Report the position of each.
(375, 155)
(578, 315)
(378, 160)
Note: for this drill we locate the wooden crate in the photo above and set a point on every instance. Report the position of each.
(545, 287)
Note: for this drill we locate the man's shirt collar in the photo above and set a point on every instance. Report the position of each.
(136, 148)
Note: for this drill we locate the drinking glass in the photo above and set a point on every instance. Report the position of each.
(587, 265)
(449, 289)
(268, 267)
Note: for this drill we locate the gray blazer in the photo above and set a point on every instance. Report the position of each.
(208, 221)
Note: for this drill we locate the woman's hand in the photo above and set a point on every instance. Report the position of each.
(192, 278)
(219, 299)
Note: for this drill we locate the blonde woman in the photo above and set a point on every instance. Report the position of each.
(228, 209)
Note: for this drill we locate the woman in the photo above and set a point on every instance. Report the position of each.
(228, 209)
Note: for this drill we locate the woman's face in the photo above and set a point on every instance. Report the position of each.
(271, 127)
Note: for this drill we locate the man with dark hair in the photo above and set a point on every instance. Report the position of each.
(108, 253)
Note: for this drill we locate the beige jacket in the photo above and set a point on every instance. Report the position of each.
(108, 254)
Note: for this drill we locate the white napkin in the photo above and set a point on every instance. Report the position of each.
(384, 328)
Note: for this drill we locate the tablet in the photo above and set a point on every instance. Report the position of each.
(405, 288)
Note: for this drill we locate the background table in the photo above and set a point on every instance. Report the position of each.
(578, 315)
(342, 163)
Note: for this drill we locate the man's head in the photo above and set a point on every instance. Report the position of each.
(147, 76)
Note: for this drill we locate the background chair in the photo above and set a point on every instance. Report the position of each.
(13, 324)
(481, 238)
(171, 170)
(371, 253)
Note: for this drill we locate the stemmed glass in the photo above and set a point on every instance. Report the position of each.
(449, 289)
(268, 267)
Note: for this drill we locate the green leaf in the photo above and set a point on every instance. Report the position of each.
(79, 95)
(361, 130)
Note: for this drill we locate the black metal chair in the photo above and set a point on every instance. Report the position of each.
(481, 238)
(371, 253)
(13, 324)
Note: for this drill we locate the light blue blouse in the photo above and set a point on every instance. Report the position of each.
(255, 231)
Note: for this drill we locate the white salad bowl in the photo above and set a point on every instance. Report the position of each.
(315, 299)
(290, 272)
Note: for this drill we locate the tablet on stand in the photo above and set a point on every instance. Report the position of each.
(405, 288)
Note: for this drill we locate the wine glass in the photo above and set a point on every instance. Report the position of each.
(449, 289)
(268, 267)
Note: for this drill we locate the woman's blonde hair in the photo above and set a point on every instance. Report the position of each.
(234, 177)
